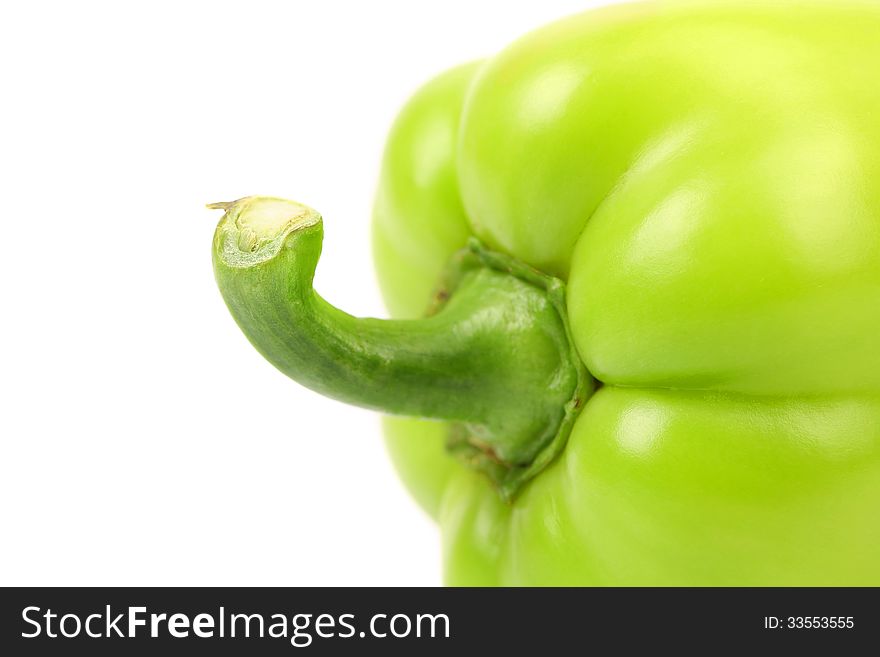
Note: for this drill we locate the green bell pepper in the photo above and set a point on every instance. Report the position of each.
(634, 265)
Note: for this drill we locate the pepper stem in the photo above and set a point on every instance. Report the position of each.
(494, 357)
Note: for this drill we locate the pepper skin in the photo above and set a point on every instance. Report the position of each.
(701, 183)
(706, 178)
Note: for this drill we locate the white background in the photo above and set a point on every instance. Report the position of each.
(144, 442)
